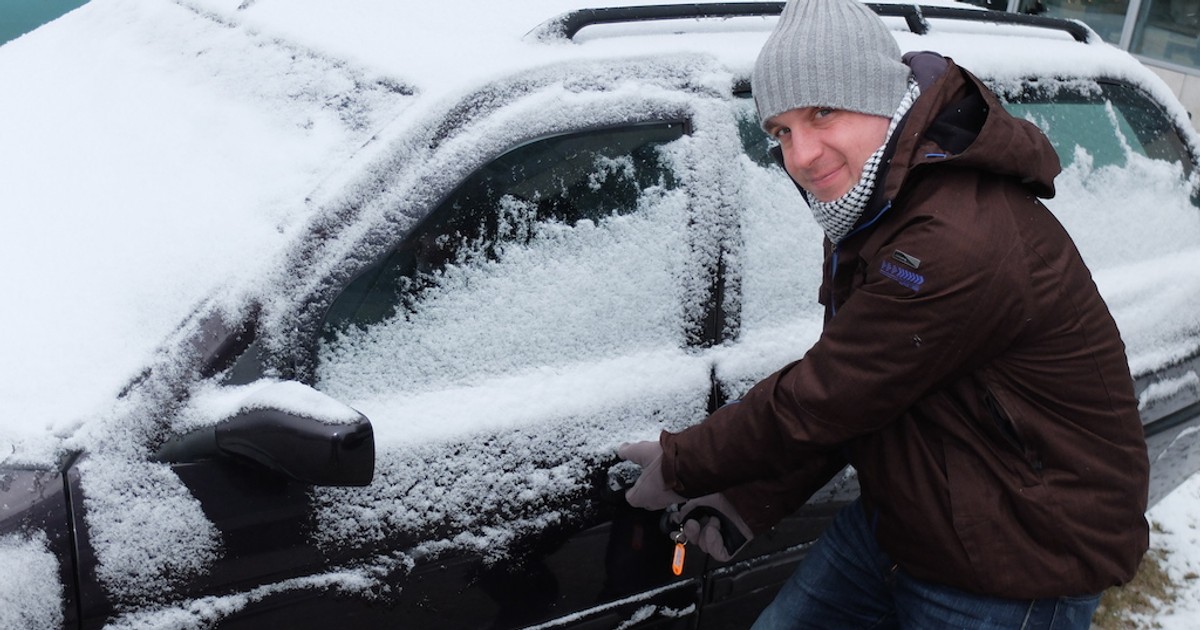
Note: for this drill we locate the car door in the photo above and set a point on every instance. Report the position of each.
(542, 314)
(549, 307)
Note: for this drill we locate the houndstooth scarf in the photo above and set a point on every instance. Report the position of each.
(839, 216)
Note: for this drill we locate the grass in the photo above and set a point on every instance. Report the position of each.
(1148, 591)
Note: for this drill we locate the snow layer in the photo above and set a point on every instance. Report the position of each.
(32, 601)
(204, 612)
(212, 403)
(1131, 224)
(150, 158)
(1176, 525)
(160, 153)
(146, 528)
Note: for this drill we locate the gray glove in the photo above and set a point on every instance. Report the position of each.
(713, 524)
(650, 492)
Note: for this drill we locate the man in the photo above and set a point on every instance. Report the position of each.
(968, 370)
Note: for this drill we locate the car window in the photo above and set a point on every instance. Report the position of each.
(561, 181)
(530, 262)
(527, 297)
(1105, 120)
(755, 142)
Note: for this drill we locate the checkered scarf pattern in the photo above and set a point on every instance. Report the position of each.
(839, 216)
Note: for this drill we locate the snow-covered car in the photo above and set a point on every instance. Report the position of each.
(512, 236)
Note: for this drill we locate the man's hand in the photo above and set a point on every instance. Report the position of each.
(650, 492)
(713, 524)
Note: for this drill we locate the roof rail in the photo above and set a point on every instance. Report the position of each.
(567, 25)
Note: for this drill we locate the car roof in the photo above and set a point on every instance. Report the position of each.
(160, 153)
(466, 42)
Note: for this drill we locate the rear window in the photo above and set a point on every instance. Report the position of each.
(1106, 120)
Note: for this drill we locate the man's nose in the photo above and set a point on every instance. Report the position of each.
(801, 152)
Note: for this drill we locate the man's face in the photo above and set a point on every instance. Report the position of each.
(824, 149)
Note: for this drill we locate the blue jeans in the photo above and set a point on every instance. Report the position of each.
(846, 581)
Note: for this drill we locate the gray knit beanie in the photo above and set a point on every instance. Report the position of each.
(829, 53)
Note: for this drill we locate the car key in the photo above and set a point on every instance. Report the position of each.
(680, 550)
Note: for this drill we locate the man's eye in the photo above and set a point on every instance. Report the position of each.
(780, 132)
(823, 112)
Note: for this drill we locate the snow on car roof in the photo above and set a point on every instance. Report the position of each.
(157, 152)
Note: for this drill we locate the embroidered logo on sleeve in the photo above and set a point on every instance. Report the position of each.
(908, 279)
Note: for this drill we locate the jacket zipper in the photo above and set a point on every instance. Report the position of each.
(837, 251)
(1008, 431)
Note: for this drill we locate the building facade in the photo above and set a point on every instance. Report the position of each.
(1163, 34)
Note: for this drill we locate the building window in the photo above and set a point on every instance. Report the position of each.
(1168, 30)
(1106, 17)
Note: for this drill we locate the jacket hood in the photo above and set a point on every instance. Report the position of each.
(957, 120)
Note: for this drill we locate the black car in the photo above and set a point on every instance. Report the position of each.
(410, 419)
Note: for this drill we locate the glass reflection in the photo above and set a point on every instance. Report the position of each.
(1106, 17)
(1168, 30)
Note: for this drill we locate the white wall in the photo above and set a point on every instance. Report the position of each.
(1186, 87)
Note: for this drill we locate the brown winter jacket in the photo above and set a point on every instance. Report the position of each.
(969, 371)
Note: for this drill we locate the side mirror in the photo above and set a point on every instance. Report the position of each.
(322, 450)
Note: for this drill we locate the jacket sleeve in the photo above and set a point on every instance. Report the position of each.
(765, 502)
(899, 335)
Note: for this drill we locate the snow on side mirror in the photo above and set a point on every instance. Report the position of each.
(288, 428)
